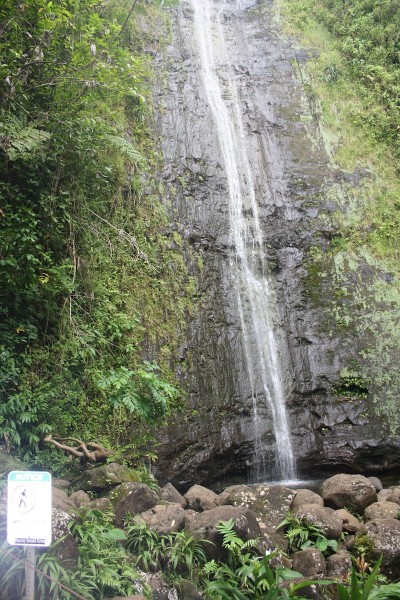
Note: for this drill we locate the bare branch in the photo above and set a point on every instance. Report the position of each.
(99, 454)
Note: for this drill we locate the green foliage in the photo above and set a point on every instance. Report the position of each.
(351, 82)
(103, 561)
(140, 392)
(366, 588)
(175, 553)
(247, 575)
(86, 276)
(304, 535)
(104, 567)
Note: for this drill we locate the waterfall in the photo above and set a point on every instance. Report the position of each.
(248, 271)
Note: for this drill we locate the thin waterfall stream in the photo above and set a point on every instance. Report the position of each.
(248, 271)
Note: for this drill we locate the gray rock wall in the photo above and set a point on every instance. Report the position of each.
(332, 428)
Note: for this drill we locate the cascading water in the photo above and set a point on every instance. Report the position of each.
(248, 271)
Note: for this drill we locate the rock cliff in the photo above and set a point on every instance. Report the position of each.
(321, 330)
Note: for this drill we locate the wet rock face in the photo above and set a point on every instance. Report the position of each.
(292, 182)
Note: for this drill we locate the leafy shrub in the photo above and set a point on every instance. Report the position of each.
(175, 553)
(247, 575)
(304, 535)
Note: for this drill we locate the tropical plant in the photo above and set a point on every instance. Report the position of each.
(103, 561)
(175, 553)
(145, 545)
(182, 553)
(303, 535)
(248, 575)
(366, 587)
(85, 272)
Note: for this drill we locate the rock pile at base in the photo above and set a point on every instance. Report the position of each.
(349, 508)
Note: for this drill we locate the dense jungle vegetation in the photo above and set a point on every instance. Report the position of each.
(92, 281)
(352, 83)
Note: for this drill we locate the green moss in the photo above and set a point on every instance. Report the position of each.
(356, 278)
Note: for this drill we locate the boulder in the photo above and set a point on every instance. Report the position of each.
(381, 510)
(67, 549)
(61, 500)
(270, 504)
(80, 499)
(102, 504)
(348, 491)
(170, 494)
(132, 499)
(9, 463)
(385, 537)
(225, 496)
(323, 517)
(63, 484)
(309, 562)
(160, 588)
(104, 477)
(3, 517)
(384, 495)
(305, 497)
(203, 526)
(350, 523)
(394, 496)
(189, 514)
(188, 591)
(134, 597)
(163, 519)
(338, 566)
(200, 498)
(377, 483)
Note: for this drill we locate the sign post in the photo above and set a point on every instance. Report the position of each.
(29, 517)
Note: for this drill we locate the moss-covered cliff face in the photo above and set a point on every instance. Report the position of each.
(92, 278)
(326, 189)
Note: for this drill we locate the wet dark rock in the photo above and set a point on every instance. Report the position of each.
(381, 510)
(163, 519)
(309, 562)
(297, 189)
(385, 537)
(348, 491)
(104, 477)
(170, 494)
(203, 526)
(132, 499)
(350, 523)
(322, 517)
(305, 497)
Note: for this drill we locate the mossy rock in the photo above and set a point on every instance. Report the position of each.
(104, 477)
(10, 463)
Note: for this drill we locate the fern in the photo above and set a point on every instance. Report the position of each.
(18, 138)
(127, 149)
